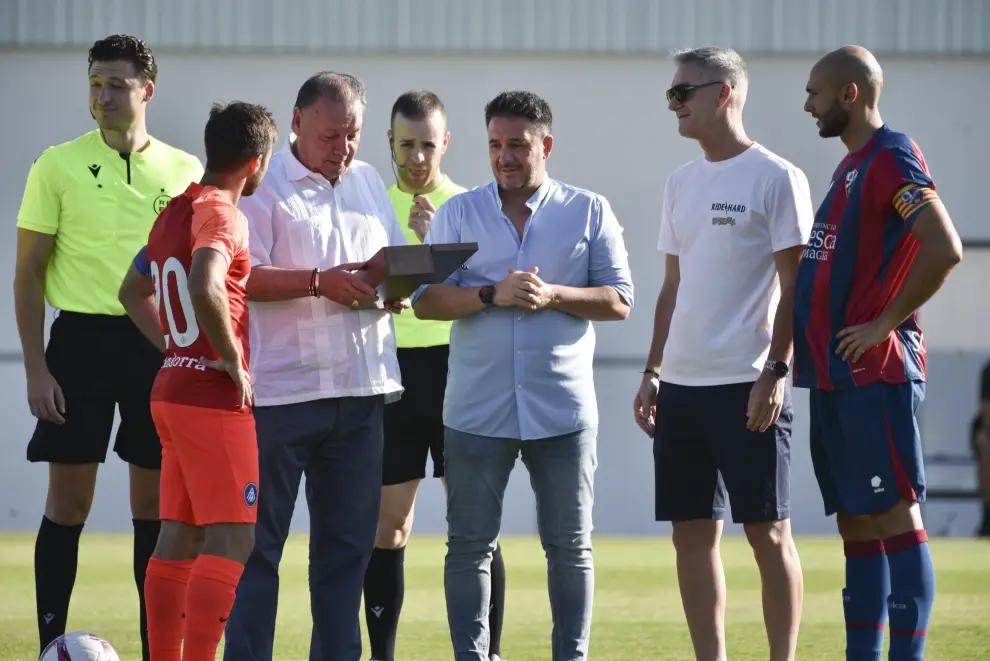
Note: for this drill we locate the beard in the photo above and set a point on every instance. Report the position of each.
(834, 121)
(252, 184)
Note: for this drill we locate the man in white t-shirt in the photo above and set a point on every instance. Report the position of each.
(714, 394)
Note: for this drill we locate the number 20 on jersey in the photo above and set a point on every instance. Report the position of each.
(174, 268)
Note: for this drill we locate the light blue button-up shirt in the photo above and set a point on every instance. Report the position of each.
(520, 374)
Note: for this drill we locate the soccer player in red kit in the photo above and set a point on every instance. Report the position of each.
(186, 291)
(882, 244)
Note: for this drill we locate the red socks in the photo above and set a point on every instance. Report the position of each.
(209, 598)
(189, 601)
(165, 597)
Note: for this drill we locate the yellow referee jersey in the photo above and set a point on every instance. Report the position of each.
(100, 205)
(411, 332)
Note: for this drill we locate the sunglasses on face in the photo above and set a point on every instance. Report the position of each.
(681, 92)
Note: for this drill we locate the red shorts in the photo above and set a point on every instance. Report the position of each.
(209, 464)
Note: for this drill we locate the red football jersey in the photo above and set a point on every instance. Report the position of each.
(856, 263)
(199, 218)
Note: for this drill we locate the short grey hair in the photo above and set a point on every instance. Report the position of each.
(723, 63)
(340, 87)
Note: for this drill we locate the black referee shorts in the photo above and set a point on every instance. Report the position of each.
(414, 424)
(101, 362)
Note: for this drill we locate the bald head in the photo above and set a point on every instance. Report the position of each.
(844, 93)
(853, 64)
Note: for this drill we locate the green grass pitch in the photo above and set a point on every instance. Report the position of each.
(637, 607)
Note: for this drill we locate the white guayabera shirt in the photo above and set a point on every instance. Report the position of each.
(312, 348)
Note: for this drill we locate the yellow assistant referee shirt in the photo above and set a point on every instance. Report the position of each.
(100, 205)
(411, 332)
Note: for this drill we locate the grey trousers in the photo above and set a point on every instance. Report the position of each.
(562, 474)
(337, 445)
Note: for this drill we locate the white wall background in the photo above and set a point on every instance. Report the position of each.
(613, 135)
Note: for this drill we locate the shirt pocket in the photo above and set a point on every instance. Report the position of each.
(339, 236)
(373, 238)
(308, 239)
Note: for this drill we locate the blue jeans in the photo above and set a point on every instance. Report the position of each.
(337, 444)
(561, 472)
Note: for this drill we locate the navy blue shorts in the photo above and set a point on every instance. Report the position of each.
(866, 447)
(702, 450)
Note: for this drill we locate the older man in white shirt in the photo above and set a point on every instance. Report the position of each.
(323, 363)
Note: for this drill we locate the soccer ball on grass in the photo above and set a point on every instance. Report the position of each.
(79, 646)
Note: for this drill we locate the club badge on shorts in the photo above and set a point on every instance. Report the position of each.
(250, 494)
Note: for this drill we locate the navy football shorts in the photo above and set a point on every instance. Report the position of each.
(866, 447)
(703, 452)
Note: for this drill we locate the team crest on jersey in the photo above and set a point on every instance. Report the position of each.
(912, 196)
(850, 180)
(250, 494)
(162, 201)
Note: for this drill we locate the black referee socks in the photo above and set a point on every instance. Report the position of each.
(384, 592)
(56, 556)
(145, 540)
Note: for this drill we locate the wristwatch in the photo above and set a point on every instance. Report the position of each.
(777, 367)
(487, 295)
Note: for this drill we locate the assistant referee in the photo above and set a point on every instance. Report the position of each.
(87, 209)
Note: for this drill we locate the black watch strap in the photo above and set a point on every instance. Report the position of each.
(487, 294)
(777, 367)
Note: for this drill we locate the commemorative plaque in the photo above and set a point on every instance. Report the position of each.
(403, 269)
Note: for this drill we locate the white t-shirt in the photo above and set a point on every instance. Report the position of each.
(724, 221)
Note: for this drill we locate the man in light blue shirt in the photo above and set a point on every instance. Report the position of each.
(550, 260)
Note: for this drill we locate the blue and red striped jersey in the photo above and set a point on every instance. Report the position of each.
(858, 256)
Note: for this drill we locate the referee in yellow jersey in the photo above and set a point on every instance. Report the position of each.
(87, 209)
(414, 425)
